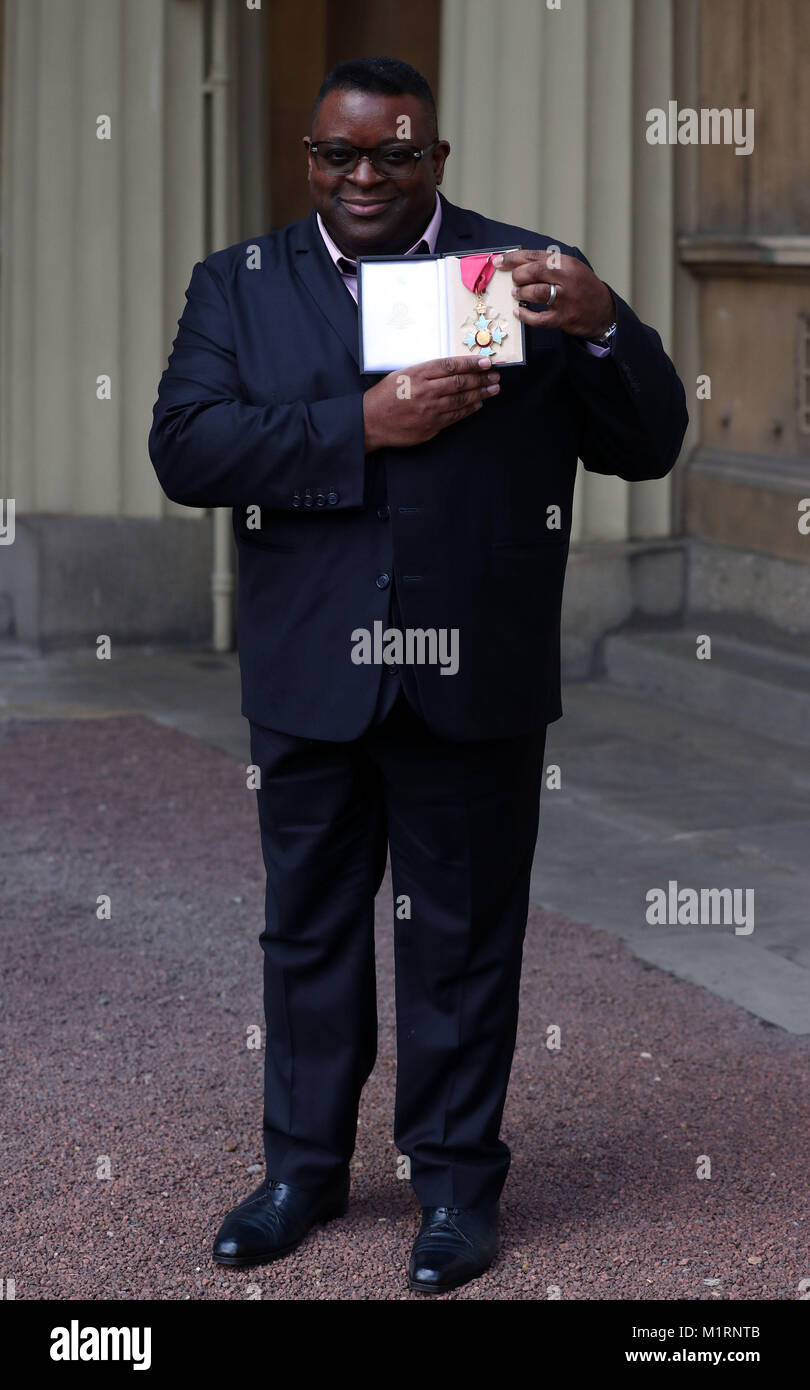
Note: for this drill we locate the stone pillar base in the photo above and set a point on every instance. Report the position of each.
(64, 580)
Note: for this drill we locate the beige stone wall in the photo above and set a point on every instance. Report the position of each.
(99, 236)
(546, 107)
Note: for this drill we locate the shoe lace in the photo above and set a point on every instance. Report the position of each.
(443, 1218)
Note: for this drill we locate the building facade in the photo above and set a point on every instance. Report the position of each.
(139, 135)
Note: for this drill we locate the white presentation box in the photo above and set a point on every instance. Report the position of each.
(416, 308)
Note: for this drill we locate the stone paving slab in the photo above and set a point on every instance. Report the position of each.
(124, 1047)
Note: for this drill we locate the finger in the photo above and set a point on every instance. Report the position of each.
(534, 294)
(452, 366)
(524, 264)
(463, 399)
(452, 386)
(541, 272)
(508, 260)
(545, 318)
(453, 416)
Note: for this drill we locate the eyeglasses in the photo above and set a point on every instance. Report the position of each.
(392, 161)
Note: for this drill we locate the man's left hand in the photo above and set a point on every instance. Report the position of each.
(583, 305)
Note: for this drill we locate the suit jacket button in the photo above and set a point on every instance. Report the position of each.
(296, 499)
(383, 580)
(320, 499)
(333, 498)
(307, 498)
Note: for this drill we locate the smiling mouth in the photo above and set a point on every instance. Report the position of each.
(366, 209)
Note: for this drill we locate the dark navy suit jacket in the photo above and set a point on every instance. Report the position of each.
(261, 405)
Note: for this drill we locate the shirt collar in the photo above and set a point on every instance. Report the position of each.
(430, 235)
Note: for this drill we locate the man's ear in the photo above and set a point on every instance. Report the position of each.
(439, 161)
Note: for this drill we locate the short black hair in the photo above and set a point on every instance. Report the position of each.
(386, 76)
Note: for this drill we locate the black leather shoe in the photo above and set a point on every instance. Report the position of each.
(454, 1244)
(274, 1219)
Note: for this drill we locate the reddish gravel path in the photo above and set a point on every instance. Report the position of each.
(127, 1039)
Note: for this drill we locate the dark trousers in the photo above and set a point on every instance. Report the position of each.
(461, 821)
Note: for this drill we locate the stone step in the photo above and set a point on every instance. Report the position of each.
(758, 686)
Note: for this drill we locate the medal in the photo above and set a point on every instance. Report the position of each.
(487, 330)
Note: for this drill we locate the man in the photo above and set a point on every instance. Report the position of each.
(443, 506)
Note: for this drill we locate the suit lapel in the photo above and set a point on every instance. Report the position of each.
(455, 231)
(321, 277)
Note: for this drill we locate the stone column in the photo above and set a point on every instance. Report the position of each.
(546, 109)
(98, 238)
(101, 235)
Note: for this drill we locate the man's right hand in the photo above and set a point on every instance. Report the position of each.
(412, 405)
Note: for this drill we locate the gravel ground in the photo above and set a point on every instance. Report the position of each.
(125, 1051)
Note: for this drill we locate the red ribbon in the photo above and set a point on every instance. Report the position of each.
(477, 271)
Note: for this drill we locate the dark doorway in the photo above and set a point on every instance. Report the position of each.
(306, 38)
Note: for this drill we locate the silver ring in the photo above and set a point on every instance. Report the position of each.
(552, 295)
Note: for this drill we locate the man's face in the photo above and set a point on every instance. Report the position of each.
(364, 212)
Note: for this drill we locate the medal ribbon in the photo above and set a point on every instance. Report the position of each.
(477, 271)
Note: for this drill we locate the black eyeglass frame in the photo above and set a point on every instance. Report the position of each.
(368, 152)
